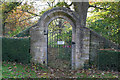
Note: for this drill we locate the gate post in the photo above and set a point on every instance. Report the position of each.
(79, 45)
(38, 45)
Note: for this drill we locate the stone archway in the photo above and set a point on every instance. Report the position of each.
(39, 36)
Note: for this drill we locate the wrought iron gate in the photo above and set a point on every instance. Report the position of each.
(59, 44)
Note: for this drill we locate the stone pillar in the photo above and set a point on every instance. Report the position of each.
(85, 48)
(82, 47)
(38, 45)
(78, 53)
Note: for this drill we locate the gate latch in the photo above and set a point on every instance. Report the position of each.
(73, 42)
(45, 33)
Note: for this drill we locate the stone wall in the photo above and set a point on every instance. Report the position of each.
(92, 42)
(98, 42)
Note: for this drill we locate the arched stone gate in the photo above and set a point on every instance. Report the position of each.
(39, 37)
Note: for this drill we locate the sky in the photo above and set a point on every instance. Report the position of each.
(42, 5)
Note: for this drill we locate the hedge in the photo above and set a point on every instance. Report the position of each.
(16, 49)
(108, 60)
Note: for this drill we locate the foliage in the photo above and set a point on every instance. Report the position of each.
(108, 60)
(24, 33)
(15, 49)
(16, 18)
(62, 4)
(8, 7)
(105, 20)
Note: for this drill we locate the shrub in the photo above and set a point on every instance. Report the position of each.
(16, 49)
(108, 60)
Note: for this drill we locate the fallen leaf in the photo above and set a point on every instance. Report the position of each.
(44, 73)
(10, 69)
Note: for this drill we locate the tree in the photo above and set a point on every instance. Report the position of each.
(6, 8)
(16, 18)
(105, 20)
(103, 13)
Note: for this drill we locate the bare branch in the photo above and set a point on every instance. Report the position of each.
(71, 4)
(13, 7)
(97, 7)
(1, 2)
(49, 4)
(22, 20)
(30, 12)
(52, 3)
(66, 5)
(26, 19)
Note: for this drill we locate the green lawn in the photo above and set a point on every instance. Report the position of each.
(15, 70)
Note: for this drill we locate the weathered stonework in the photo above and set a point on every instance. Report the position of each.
(98, 42)
(85, 44)
(39, 36)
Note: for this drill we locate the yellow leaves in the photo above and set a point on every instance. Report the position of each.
(34, 66)
(115, 76)
(89, 69)
(93, 76)
(20, 11)
(91, 2)
(19, 7)
(109, 7)
(44, 73)
(16, 19)
(83, 71)
(93, 20)
(14, 77)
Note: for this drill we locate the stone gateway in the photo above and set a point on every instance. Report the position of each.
(82, 45)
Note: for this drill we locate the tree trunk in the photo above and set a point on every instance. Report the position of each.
(81, 8)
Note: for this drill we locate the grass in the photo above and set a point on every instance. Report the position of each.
(16, 70)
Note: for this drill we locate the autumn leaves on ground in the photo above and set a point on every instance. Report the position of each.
(17, 70)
